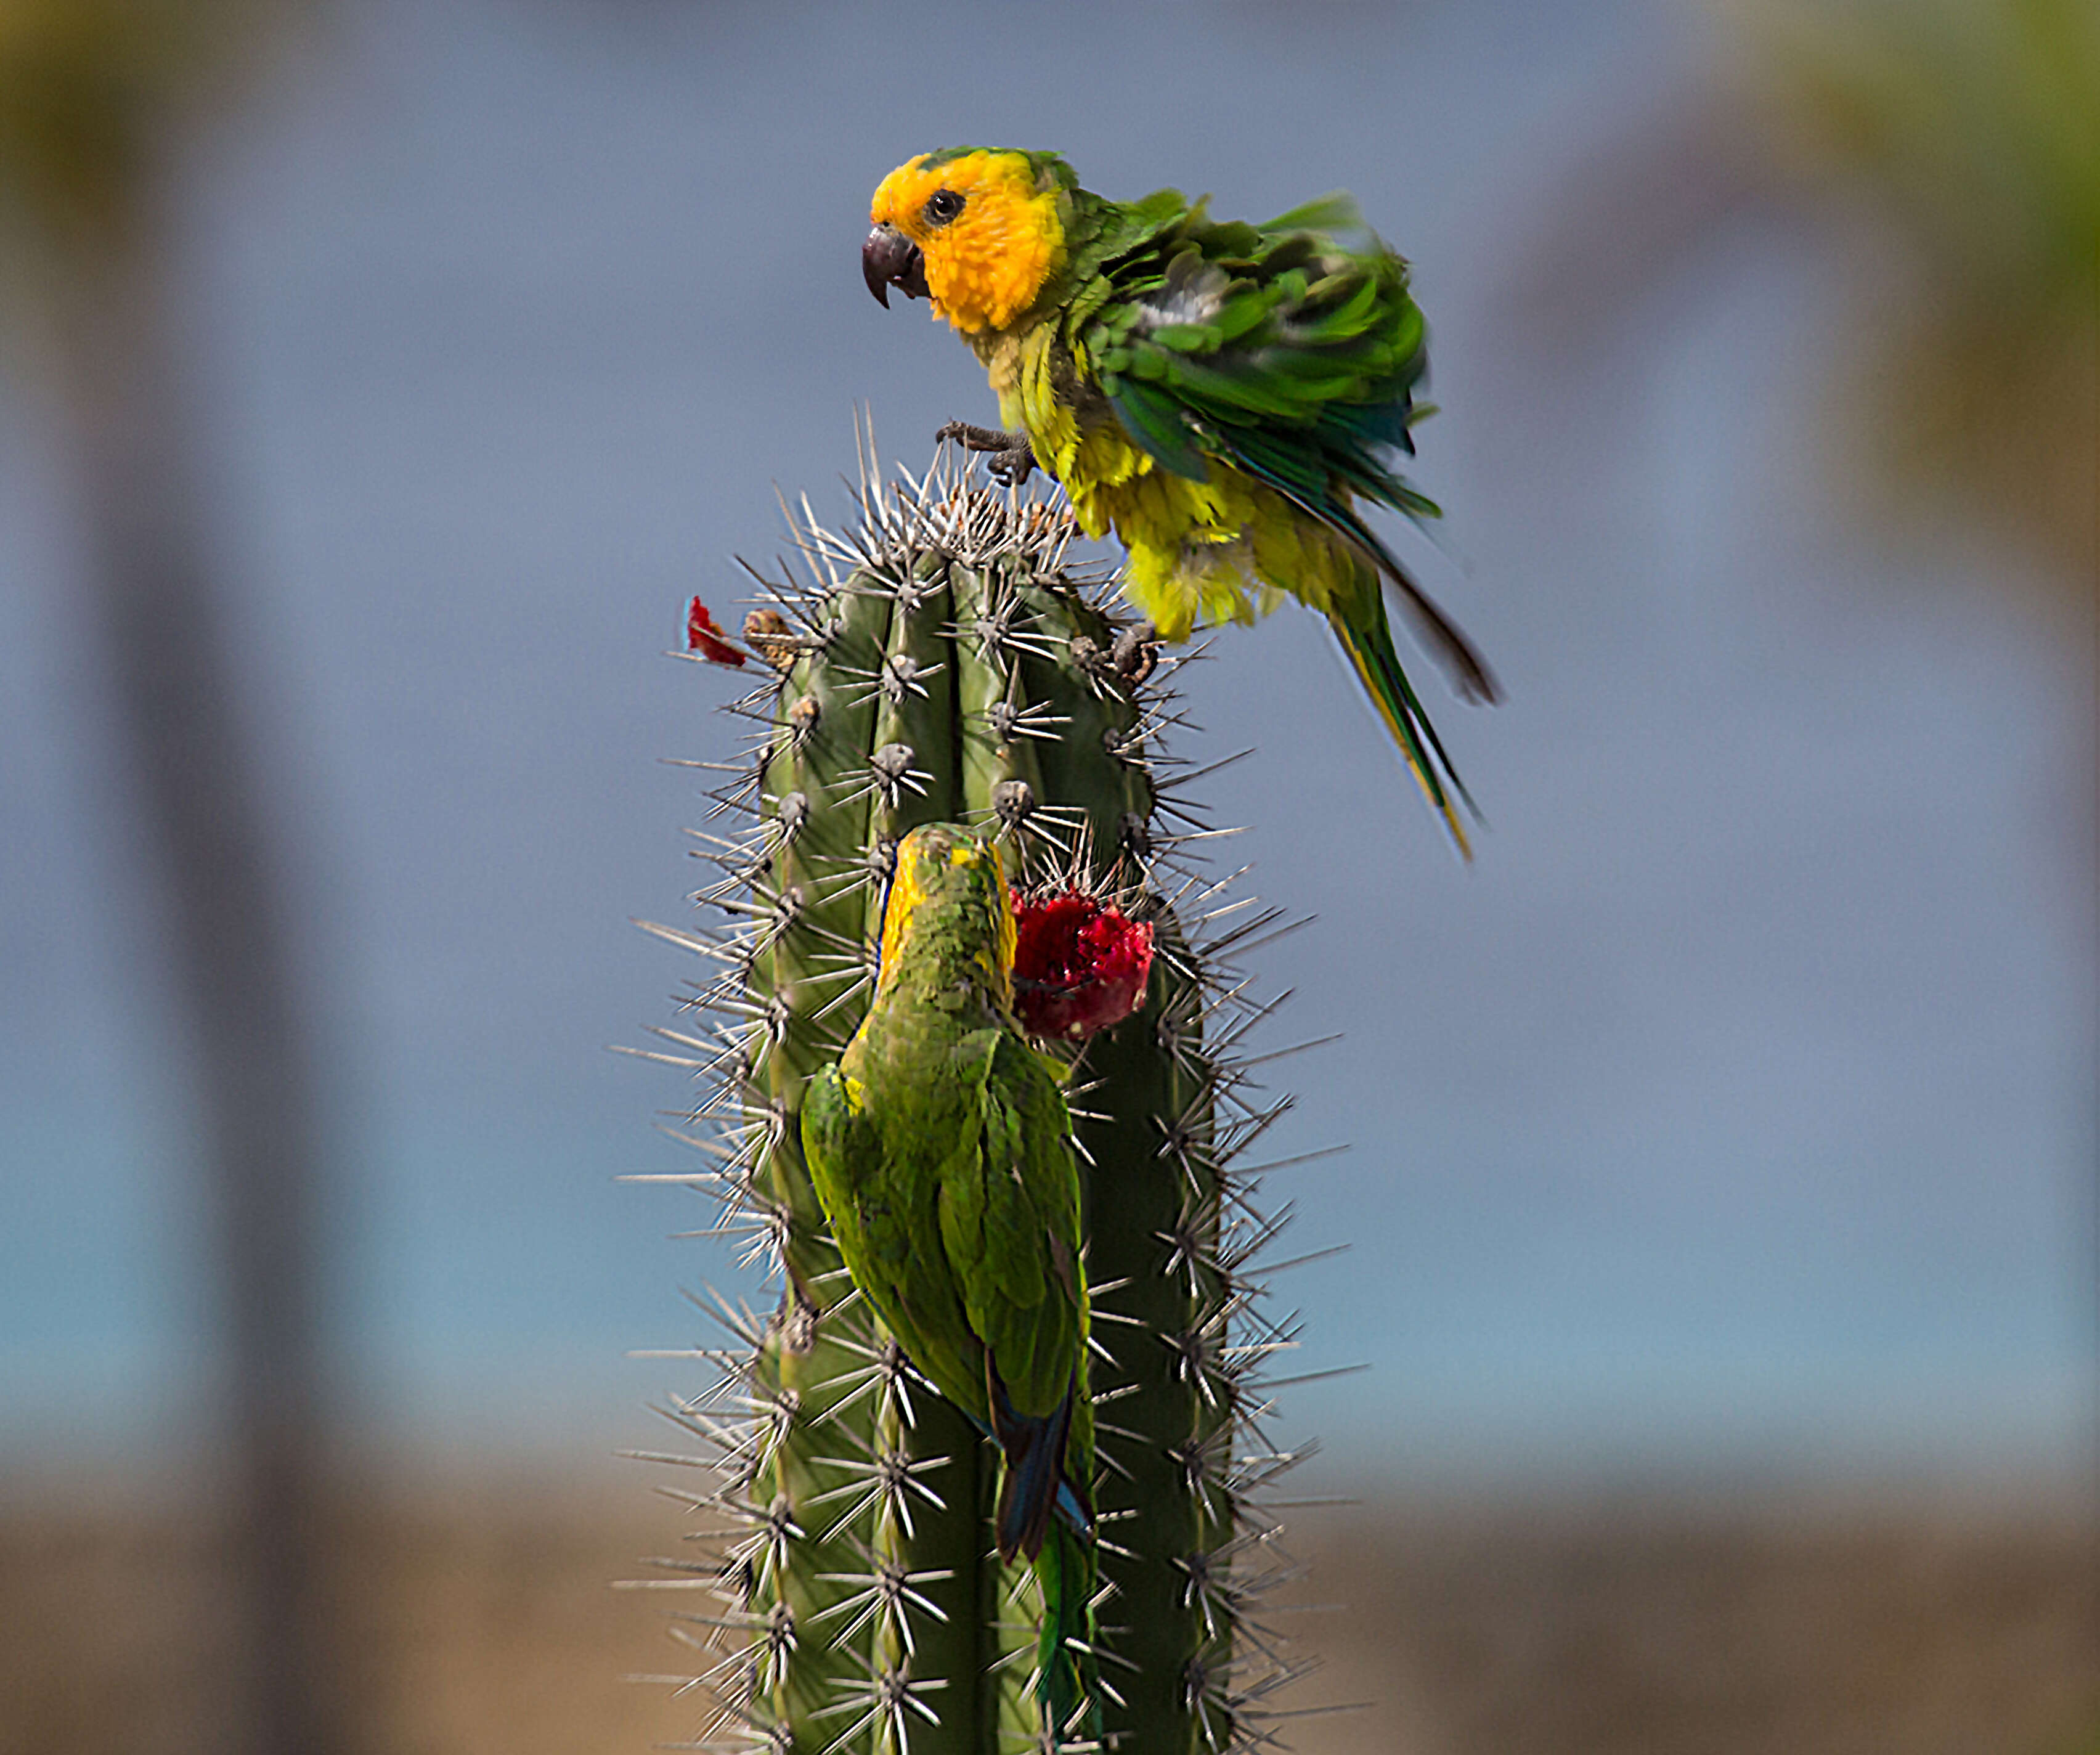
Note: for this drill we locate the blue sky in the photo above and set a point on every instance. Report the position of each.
(1735, 1109)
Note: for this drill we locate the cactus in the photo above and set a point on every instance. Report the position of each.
(942, 661)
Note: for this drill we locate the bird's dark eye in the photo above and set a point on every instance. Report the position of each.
(941, 206)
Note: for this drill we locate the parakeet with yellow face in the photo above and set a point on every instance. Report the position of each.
(941, 1147)
(1220, 394)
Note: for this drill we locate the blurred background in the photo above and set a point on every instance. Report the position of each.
(377, 383)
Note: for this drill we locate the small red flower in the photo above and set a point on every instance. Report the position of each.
(705, 637)
(1079, 967)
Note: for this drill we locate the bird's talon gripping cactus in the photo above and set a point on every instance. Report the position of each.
(944, 665)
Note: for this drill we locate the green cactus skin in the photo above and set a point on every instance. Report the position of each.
(943, 664)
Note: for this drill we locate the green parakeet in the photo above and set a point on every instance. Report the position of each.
(940, 1146)
(1219, 394)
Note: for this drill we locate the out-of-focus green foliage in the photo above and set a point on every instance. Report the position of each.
(1966, 133)
(87, 90)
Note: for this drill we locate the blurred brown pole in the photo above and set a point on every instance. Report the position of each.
(206, 831)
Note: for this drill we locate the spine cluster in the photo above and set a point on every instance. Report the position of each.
(941, 660)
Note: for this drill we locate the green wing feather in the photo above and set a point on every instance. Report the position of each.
(1284, 332)
(1020, 1284)
(1278, 350)
(879, 1185)
(955, 1197)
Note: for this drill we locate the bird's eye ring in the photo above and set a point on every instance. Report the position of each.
(941, 206)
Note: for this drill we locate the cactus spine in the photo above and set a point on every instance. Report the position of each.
(941, 662)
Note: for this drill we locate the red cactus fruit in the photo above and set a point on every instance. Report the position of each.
(1078, 966)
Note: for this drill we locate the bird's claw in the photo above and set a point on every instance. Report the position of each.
(1013, 466)
(1009, 457)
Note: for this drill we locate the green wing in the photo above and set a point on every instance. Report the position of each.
(1280, 351)
(1009, 1224)
(964, 1238)
(1273, 347)
(844, 1156)
(879, 1186)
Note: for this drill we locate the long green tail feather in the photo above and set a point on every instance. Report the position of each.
(1369, 645)
(1066, 1683)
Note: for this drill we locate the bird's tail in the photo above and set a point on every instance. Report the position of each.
(1368, 641)
(1069, 1504)
(1064, 1663)
(1034, 1482)
(1040, 1481)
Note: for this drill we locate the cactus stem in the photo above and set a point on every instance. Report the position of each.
(940, 659)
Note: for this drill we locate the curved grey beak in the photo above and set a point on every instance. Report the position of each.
(888, 258)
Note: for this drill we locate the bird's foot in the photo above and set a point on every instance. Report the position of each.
(1010, 457)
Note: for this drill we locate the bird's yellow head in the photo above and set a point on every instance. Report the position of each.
(948, 899)
(980, 233)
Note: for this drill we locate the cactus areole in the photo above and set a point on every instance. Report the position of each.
(940, 661)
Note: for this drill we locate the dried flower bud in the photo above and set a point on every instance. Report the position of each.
(767, 633)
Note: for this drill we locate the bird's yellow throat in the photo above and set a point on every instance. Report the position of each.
(938, 860)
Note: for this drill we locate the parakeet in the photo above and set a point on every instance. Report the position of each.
(1220, 393)
(940, 1146)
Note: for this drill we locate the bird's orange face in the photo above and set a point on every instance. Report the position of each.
(978, 232)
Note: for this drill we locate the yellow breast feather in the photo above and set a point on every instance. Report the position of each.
(1224, 549)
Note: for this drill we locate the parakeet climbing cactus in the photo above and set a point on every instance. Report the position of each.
(941, 663)
(940, 1148)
